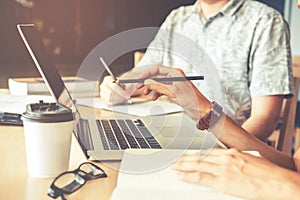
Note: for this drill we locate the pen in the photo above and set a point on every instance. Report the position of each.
(165, 79)
(107, 69)
(111, 74)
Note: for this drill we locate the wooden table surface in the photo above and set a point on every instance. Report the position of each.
(16, 184)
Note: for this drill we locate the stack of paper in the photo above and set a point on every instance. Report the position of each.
(17, 104)
(77, 86)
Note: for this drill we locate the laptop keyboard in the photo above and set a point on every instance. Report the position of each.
(123, 134)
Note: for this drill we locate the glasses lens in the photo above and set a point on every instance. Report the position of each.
(64, 180)
(69, 182)
(92, 171)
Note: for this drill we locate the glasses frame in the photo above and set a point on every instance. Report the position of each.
(81, 177)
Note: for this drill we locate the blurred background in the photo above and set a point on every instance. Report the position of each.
(72, 28)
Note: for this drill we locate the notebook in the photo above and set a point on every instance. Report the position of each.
(137, 177)
(105, 138)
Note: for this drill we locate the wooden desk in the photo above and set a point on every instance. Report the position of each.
(16, 184)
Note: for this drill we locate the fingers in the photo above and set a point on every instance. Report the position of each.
(229, 171)
(219, 162)
(192, 169)
(230, 176)
(215, 155)
(159, 88)
(149, 73)
(112, 93)
(197, 166)
(208, 163)
(161, 70)
(206, 179)
(156, 70)
(156, 95)
(197, 162)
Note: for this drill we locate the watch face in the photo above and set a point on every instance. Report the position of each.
(217, 109)
(208, 121)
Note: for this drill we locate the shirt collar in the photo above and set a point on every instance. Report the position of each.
(229, 9)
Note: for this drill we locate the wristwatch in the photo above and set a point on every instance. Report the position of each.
(210, 118)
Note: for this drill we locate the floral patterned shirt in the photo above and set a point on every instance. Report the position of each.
(247, 42)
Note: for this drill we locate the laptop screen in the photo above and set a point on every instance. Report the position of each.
(44, 63)
(42, 60)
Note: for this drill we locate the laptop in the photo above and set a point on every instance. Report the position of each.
(106, 138)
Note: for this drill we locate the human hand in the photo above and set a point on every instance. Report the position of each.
(240, 174)
(113, 93)
(184, 93)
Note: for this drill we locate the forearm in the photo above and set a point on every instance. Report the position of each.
(260, 127)
(280, 184)
(234, 136)
(285, 182)
(265, 113)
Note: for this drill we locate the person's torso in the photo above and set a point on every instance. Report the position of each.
(227, 40)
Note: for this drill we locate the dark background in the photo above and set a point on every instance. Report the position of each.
(72, 28)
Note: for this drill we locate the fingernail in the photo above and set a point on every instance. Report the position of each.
(148, 81)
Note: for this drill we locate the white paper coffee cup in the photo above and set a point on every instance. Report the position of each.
(48, 132)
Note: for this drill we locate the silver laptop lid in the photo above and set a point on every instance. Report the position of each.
(44, 63)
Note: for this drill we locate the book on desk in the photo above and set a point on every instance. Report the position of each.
(78, 86)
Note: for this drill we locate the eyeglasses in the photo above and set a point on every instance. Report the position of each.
(70, 181)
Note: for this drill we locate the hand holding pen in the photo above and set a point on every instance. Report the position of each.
(181, 90)
(112, 92)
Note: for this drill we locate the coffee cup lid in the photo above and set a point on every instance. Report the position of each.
(47, 112)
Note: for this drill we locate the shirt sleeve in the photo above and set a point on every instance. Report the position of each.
(270, 58)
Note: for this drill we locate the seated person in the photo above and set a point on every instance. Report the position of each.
(230, 171)
(241, 38)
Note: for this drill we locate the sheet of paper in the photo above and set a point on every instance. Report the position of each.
(161, 184)
(139, 106)
(164, 194)
(17, 104)
(135, 170)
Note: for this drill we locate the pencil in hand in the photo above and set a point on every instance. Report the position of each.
(165, 79)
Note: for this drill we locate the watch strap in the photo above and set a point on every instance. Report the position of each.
(210, 118)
